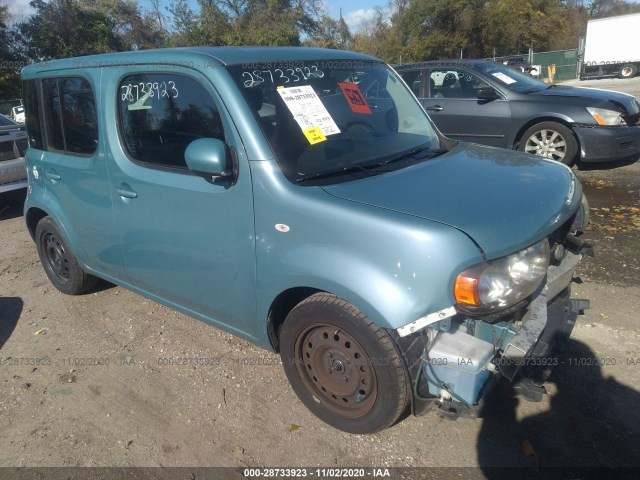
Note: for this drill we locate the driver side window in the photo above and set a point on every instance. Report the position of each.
(454, 83)
(160, 114)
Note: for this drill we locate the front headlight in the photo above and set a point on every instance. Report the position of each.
(501, 283)
(609, 118)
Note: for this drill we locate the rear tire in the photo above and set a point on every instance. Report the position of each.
(59, 262)
(628, 70)
(343, 367)
(550, 140)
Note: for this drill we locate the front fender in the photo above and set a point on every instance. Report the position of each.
(394, 267)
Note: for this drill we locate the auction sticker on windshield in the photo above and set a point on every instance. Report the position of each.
(505, 78)
(355, 98)
(310, 113)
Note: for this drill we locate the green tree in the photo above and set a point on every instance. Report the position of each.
(209, 25)
(374, 38)
(437, 29)
(326, 34)
(330, 33)
(269, 22)
(53, 31)
(610, 8)
(69, 28)
(10, 63)
(243, 22)
(134, 29)
(514, 26)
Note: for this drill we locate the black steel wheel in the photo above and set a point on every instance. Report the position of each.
(550, 140)
(343, 367)
(58, 260)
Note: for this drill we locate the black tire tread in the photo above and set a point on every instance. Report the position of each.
(81, 282)
(327, 299)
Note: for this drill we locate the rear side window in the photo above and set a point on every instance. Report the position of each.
(32, 113)
(160, 114)
(70, 115)
(413, 78)
(52, 114)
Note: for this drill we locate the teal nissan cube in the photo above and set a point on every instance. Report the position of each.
(303, 200)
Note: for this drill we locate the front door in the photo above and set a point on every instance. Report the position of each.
(457, 112)
(186, 239)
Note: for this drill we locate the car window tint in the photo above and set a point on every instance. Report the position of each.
(53, 120)
(32, 113)
(78, 115)
(413, 78)
(70, 115)
(5, 122)
(453, 83)
(160, 114)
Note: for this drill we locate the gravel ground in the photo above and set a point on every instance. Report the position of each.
(88, 380)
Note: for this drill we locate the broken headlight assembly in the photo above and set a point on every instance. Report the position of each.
(501, 283)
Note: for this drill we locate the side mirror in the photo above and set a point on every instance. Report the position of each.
(486, 93)
(210, 156)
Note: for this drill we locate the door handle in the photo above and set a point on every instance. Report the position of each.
(52, 175)
(435, 108)
(125, 191)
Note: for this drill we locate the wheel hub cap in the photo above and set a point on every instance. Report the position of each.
(547, 143)
(56, 257)
(336, 368)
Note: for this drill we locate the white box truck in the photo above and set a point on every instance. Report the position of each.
(612, 47)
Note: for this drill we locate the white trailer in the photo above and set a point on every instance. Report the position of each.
(612, 47)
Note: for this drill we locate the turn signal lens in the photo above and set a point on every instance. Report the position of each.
(466, 290)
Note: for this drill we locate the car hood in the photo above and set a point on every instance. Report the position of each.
(629, 102)
(504, 200)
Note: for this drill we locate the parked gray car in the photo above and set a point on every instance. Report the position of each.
(13, 144)
(484, 102)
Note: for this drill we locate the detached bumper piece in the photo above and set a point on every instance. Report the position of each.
(455, 363)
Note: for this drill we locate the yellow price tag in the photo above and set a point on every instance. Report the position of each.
(314, 135)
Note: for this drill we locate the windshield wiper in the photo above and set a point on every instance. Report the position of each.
(338, 171)
(418, 153)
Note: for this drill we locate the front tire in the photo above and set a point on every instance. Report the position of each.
(343, 367)
(628, 71)
(550, 140)
(59, 262)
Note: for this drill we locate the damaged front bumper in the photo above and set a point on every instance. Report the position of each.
(455, 362)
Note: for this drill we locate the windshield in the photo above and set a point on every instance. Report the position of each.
(324, 118)
(512, 79)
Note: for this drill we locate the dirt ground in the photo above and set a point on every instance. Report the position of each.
(92, 380)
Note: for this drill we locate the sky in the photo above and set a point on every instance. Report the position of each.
(353, 11)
